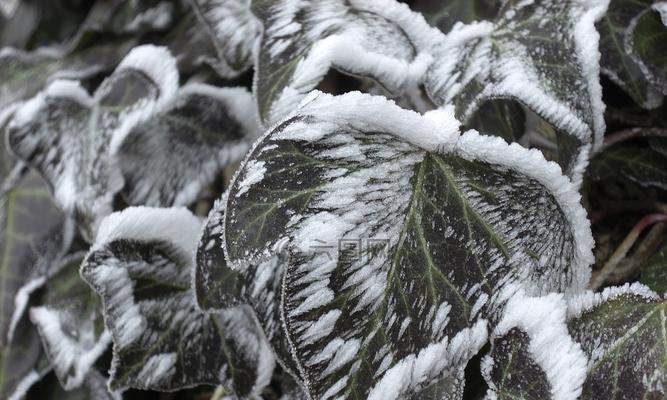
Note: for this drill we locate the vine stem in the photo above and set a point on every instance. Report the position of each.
(601, 277)
(631, 134)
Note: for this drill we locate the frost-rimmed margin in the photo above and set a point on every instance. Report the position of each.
(438, 131)
(160, 67)
(583, 302)
(342, 51)
(543, 319)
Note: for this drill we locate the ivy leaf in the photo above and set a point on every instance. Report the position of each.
(22, 361)
(654, 272)
(622, 330)
(217, 286)
(141, 265)
(402, 237)
(72, 138)
(519, 56)
(532, 354)
(23, 74)
(646, 44)
(70, 324)
(382, 40)
(172, 156)
(639, 160)
(33, 236)
(445, 14)
(233, 29)
(616, 62)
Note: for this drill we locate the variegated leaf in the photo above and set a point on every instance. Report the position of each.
(532, 354)
(141, 266)
(622, 330)
(402, 237)
(217, 286)
(69, 321)
(616, 62)
(301, 41)
(519, 56)
(72, 138)
(23, 74)
(445, 14)
(645, 42)
(170, 158)
(233, 29)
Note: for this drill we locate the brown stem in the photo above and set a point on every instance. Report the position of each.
(614, 208)
(599, 278)
(631, 134)
(647, 247)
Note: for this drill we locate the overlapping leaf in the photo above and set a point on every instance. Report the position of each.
(640, 159)
(71, 138)
(616, 62)
(93, 388)
(532, 355)
(646, 44)
(445, 14)
(520, 56)
(168, 159)
(301, 41)
(402, 239)
(622, 330)
(233, 29)
(141, 265)
(70, 323)
(654, 272)
(217, 286)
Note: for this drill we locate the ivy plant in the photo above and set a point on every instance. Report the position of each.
(328, 199)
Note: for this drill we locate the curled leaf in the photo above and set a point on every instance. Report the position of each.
(141, 264)
(519, 57)
(71, 138)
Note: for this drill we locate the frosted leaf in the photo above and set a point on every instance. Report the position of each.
(141, 265)
(170, 158)
(519, 56)
(23, 74)
(22, 361)
(233, 29)
(301, 41)
(445, 14)
(117, 17)
(616, 62)
(34, 235)
(402, 237)
(654, 272)
(217, 286)
(645, 42)
(639, 160)
(71, 138)
(622, 330)
(532, 355)
(70, 324)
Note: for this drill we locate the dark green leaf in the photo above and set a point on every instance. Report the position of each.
(69, 321)
(401, 236)
(72, 138)
(302, 41)
(170, 158)
(141, 266)
(622, 330)
(647, 43)
(654, 272)
(233, 29)
(444, 14)
(615, 61)
(520, 56)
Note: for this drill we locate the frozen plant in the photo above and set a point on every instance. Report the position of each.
(333, 199)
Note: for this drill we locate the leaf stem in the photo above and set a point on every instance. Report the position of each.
(632, 133)
(599, 278)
